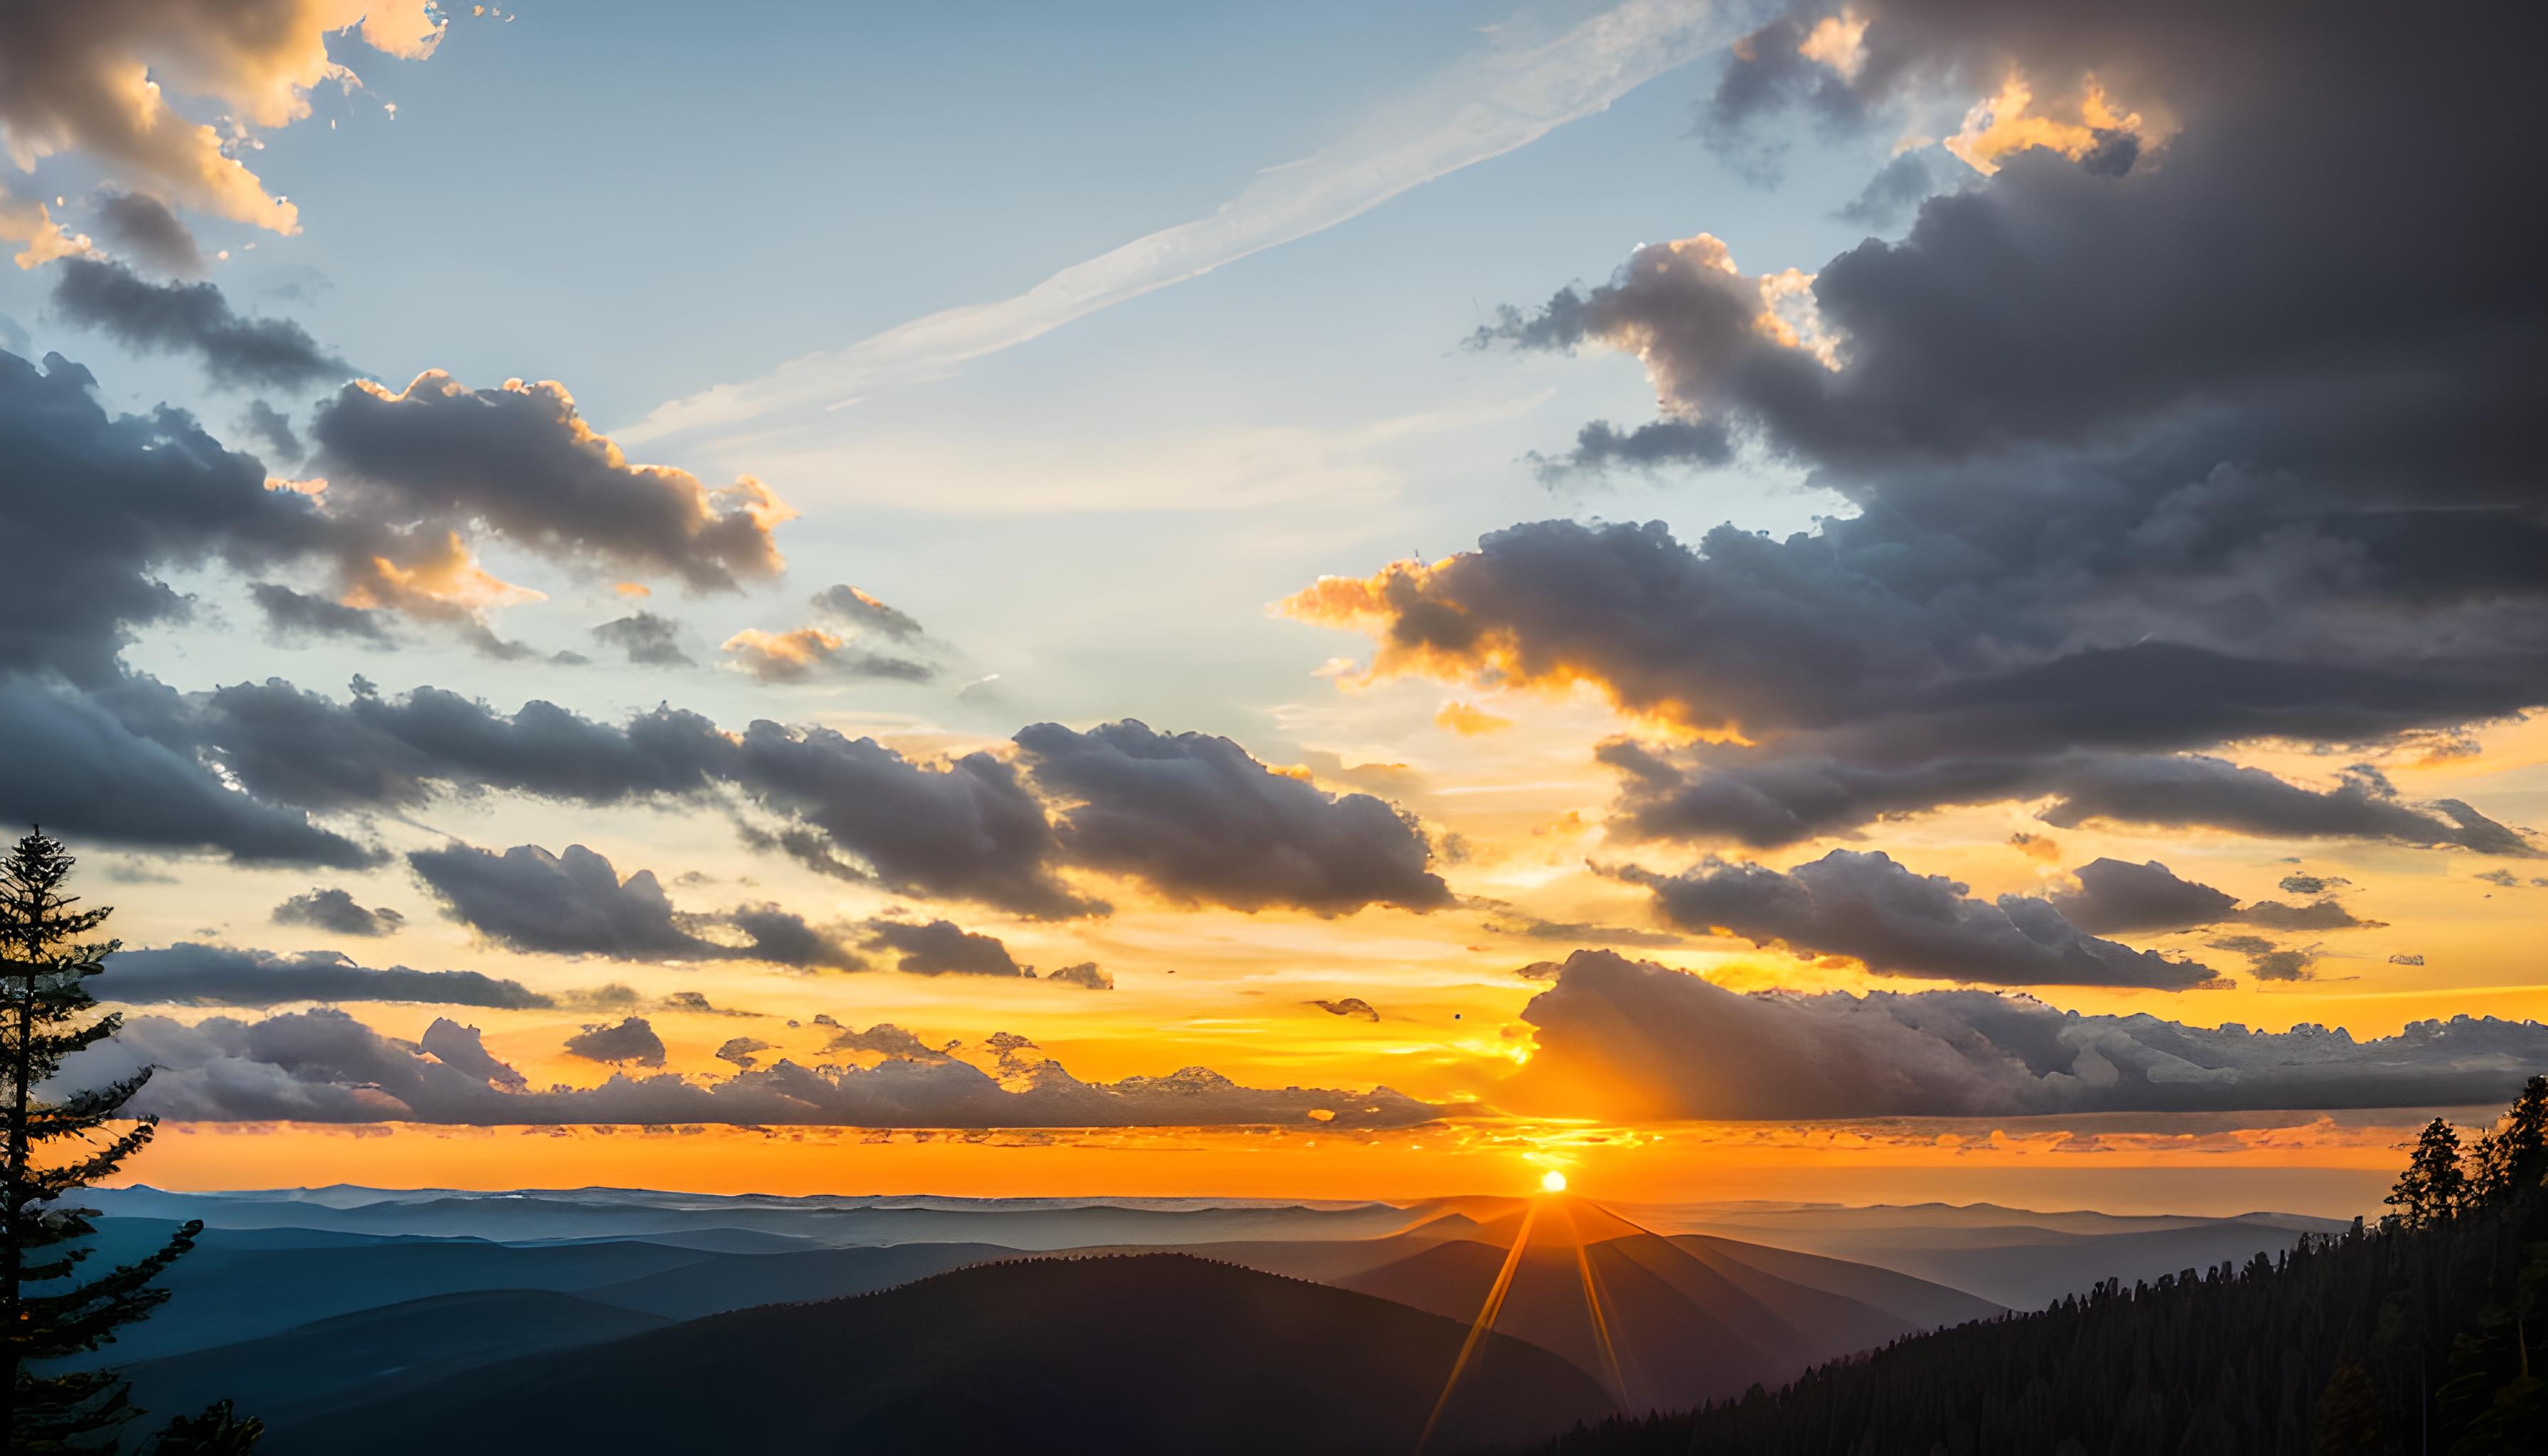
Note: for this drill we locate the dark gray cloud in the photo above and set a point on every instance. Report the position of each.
(1601, 446)
(1511, 922)
(1350, 1006)
(577, 904)
(632, 1040)
(334, 909)
(325, 1066)
(2121, 481)
(292, 614)
(941, 947)
(1871, 909)
(2268, 959)
(1632, 1039)
(649, 640)
(2316, 915)
(850, 604)
(1198, 819)
(463, 1050)
(2115, 896)
(219, 976)
(1765, 799)
(1894, 192)
(192, 319)
(1088, 975)
(142, 226)
(743, 1051)
(570, 904)
(521, 462)
(274, 427)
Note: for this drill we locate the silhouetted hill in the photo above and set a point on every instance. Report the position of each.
(307, 1370)
(1665, 1324)
(1916, 1302)
(725, 1282)
(221, 1295)
(1144, 1353)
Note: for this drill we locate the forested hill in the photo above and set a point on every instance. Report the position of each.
(2428, 1333)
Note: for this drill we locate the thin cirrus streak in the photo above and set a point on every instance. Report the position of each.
(1472, 113)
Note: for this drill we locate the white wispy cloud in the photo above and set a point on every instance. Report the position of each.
(1479, 108)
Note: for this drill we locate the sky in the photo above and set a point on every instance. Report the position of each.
(1911, 600)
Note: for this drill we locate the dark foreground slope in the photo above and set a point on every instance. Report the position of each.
(301, 1374)
(1145, 1353)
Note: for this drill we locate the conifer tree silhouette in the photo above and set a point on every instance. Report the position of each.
(54, 1148)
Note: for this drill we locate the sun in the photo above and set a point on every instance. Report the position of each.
(1552, 1181)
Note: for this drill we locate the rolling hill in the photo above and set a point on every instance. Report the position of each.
(1128, 1354)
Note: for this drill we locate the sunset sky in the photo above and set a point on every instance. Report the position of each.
(1745, 602)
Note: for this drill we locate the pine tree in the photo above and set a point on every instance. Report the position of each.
(2433, 1186)
(219, 1431)
(44, 958)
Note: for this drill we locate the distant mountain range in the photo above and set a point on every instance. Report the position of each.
(440, 1317)
(1126, 1354)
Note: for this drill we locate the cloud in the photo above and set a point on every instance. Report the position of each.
(332, 909)
(633, 1040)
(940, 947)
(2316, 915)
(1601, 446)
(1350, 1006)
(1511, 922)
(883, 1039)
(577, 904)
(2116, 896)
(1200, 820)
(291, 615)
(2406, 959)
(193, 974)
(2115, 482)
(1088, 975)
(1628, 1040)
(1871, 909)
(864, 612)
(649, 640)
(2270, 962)
(146, 227)
(570, 904)
(1895, 192)
(742, 1052)
(1468, 719)
(325, 1066)
(102, 80)
(460, 1048)
(192, 319)
(521, 461)
(1476, 109)
(274, 427)
(810, 653)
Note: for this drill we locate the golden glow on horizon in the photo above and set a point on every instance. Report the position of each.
(1552, 1181)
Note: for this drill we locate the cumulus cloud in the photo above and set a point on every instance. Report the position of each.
(570, 904)
(325, 1066)
(649, 640)
(857, 609)
(144, 227)
(421, 463)
(2120, 485)
(2117, 896)
(1088, 975)
(807, 654)
(632, 1040)
(1601, 446)
(334, 909)
(1869, 908)
(1198, 819)
(192, 319)
(463, 1050)
(941, 947)
(298, 615)
(104, 80)
(192, 975)
(1624, 1039)
(577, 904)
(743, 1051)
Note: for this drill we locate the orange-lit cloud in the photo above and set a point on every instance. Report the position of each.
(2005, 122)
(1468, 719)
